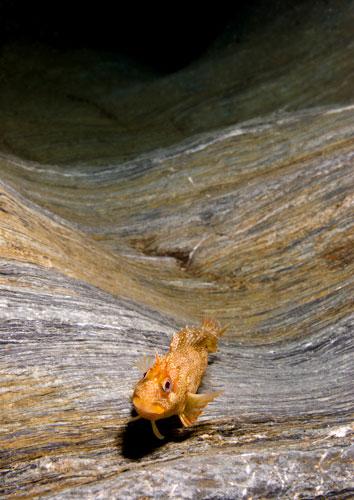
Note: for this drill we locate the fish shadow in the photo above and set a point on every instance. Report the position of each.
(138, 439)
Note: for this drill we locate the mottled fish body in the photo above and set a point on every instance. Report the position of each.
(169, 386)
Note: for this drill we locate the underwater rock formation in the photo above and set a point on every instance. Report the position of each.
(132, 205)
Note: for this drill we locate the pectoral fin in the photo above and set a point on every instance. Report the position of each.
(195, 405)
(144, 363)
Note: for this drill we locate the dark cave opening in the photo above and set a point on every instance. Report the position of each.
(163, 39)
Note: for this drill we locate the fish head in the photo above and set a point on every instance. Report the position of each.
(154, 396)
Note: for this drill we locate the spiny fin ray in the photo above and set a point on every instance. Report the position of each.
(206, 335)
(195, 405)
(156, 431)
(145, 362)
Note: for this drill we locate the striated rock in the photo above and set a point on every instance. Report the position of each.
(133, 204)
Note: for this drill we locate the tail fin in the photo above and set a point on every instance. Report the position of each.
(205, 335)
(213, 332)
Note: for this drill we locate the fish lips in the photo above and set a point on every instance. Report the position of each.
(150, 411)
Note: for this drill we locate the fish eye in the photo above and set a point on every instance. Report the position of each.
(166, 386)
(144, 374)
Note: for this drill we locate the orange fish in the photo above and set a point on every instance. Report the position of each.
(169, 386)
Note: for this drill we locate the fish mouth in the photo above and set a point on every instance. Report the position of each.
(150, 411)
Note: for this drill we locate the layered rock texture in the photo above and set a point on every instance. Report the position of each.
(133, 204)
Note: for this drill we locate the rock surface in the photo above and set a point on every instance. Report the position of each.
(132, 205)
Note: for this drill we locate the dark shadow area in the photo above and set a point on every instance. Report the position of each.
(138, 439)
(164, 39)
